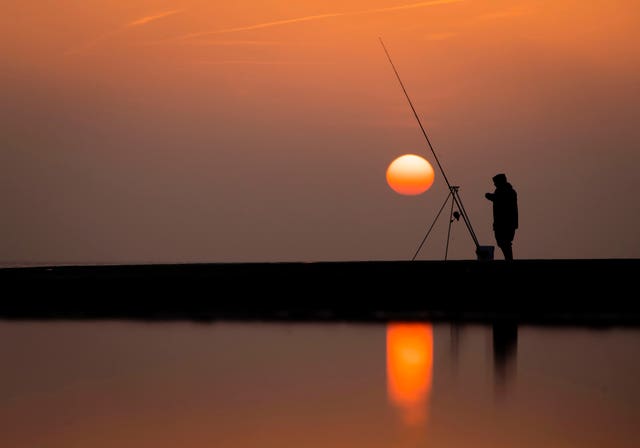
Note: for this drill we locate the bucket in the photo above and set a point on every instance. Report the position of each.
(485, 252)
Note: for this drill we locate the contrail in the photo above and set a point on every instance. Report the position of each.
(507, 13)
(318, 17)
(256, 62)
(237, 42)
(148, 19)
(135, 23)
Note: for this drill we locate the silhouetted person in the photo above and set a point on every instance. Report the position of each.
(505, 214)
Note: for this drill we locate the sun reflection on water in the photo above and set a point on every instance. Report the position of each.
(410, 369)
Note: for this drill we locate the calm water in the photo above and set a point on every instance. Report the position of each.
(278, 385)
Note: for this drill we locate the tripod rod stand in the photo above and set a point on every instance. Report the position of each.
(454, 195)
(453, 190)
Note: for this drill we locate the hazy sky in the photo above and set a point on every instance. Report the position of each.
(196, 131)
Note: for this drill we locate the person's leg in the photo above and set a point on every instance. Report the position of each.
(508, 239)
(507, 250)
(503, 239)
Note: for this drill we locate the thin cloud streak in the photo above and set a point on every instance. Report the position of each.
(238, 42)
(135, 23)
(256, 62)
(152, 18)
(504, 14)
(318, 17)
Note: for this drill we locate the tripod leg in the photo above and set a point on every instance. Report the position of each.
(432, 224)
(446, 251)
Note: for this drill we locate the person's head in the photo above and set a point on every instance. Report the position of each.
(499, 179)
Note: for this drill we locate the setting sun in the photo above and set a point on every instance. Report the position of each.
(410, 175)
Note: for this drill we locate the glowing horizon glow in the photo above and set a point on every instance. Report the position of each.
(410, 369)
(410, 175)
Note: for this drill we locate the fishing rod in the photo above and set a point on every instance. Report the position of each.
(453, 190)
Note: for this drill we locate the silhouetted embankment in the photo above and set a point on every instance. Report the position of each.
(592, 292)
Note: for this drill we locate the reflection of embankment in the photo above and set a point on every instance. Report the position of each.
(410, 369)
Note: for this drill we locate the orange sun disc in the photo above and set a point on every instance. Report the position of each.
(410, 175)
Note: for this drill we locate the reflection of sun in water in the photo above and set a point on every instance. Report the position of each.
(410, 175)
(409, 369)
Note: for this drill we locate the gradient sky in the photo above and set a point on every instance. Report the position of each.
(195, 131)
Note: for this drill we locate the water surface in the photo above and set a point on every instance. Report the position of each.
(261, 385)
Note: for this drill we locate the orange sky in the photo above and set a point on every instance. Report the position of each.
(255, 131)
